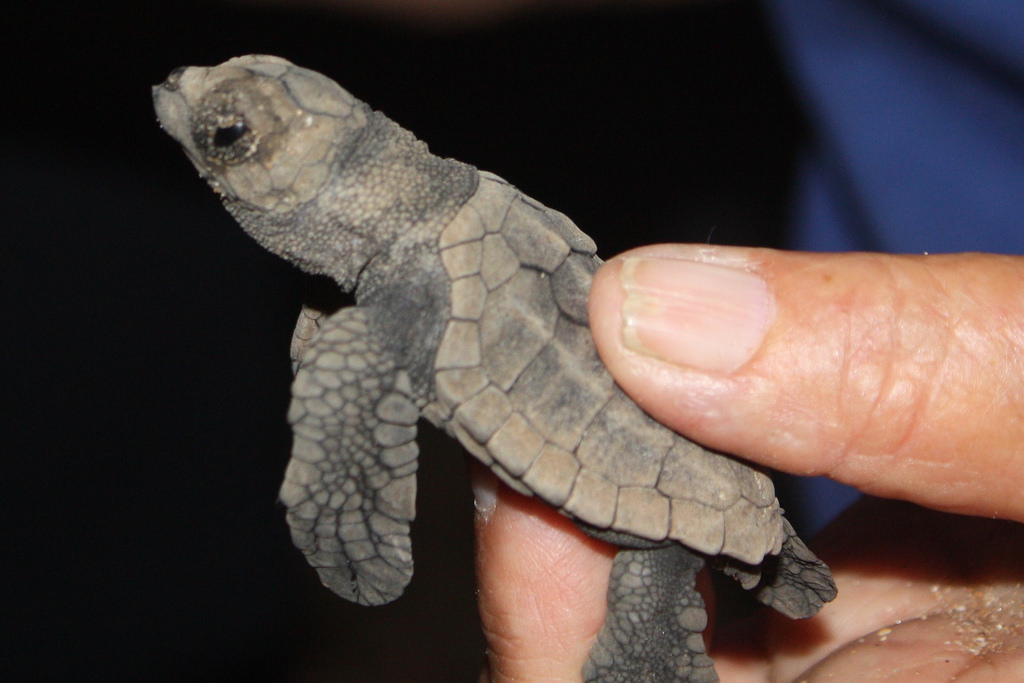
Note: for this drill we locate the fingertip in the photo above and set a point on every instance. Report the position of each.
(485, 491)
(651, 340)
(542, 590)
(604, 308)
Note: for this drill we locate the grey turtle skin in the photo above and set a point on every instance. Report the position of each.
(470, 312)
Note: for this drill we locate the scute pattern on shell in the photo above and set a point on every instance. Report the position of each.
(604, 460)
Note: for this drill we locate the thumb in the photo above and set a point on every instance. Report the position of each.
(899, 375)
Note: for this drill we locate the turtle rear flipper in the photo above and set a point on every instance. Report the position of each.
(654, 627)
(794, 582)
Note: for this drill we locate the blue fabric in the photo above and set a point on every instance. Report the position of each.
(916, 111)
(917, 116)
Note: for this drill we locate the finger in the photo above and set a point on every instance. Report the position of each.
(922, 595)
(899, 375)
(542, 586)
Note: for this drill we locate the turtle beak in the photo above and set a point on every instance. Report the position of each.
(171, 108)
(174, 114)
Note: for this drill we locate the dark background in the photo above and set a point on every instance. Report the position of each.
(145, 340)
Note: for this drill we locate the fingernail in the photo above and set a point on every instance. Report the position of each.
(700, 315)
(485, 492)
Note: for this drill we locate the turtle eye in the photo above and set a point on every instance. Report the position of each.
(224, 136)
(228, 135)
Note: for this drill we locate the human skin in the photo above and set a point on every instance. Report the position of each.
(899, 375)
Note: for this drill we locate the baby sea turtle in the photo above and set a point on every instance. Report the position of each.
(471, 312)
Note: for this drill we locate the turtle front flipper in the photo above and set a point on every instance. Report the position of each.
(654, 628)
(350, 487)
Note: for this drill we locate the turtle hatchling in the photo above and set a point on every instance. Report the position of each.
(470, 311)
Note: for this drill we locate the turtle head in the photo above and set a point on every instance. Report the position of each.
(268, 137)
(260, 130)
(312, 173)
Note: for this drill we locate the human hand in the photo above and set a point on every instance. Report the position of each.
(898, 375)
